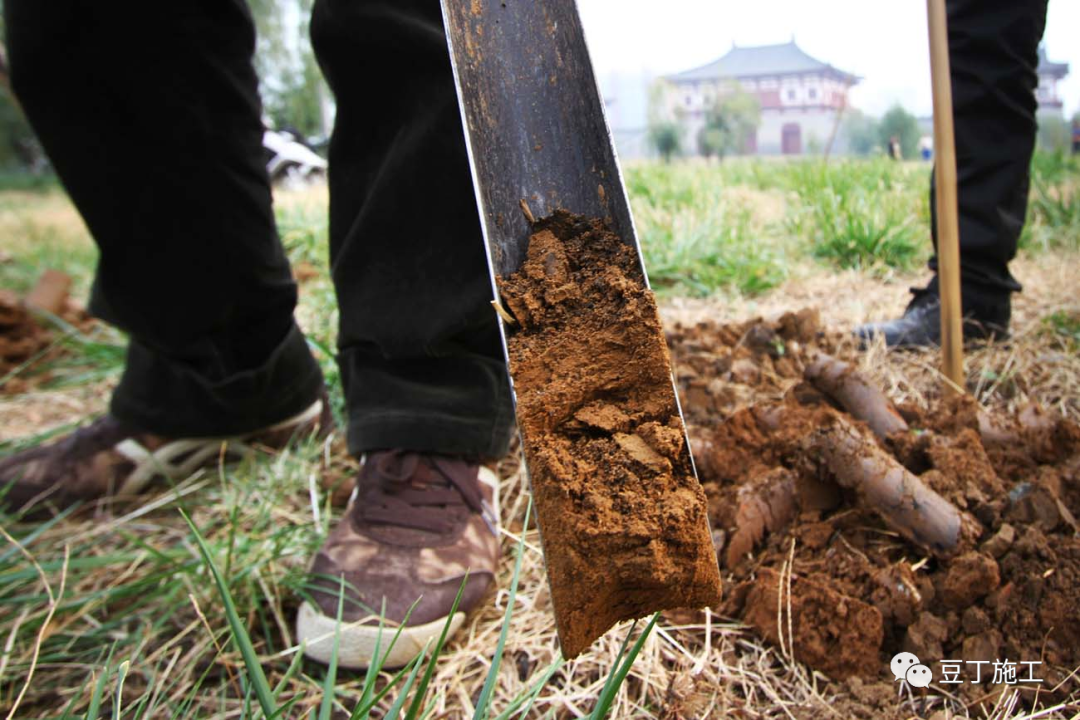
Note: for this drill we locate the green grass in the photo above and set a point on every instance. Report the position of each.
(697, 240)
(27, 181)
(1066, 326)
(1053, 220)
(865, 215)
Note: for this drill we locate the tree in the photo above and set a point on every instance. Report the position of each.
(709, 140)
(665, 129)
(863, 133)
(291, 85)
(901, 124)
(729, 123)
(666, 138)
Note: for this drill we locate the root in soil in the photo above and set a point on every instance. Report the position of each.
(811, 471)
(622, 516)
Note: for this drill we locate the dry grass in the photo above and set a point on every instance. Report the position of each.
(135, 584)
(1035, 365)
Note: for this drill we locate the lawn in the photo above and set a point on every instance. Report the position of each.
(121, 611)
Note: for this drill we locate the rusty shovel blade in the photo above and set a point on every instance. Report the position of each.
(538, 141)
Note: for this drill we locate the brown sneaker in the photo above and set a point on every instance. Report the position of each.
(109, 459)
(418, 524)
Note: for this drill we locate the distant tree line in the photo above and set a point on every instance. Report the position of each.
(729, 124)
(868, 135)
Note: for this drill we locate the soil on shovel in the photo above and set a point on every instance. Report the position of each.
(825, 570)
(621, 514)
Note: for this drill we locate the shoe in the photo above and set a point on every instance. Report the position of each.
(418, 526)
(920, 325)
(111, 459)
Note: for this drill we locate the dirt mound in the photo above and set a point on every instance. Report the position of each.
(622, 517)
(946, 533)
(23, 334)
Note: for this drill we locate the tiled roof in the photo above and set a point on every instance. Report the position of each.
(1047, 67)
(744, 62)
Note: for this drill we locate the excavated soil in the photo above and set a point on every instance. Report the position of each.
(24, 336)
(622, 517)
(859, 590)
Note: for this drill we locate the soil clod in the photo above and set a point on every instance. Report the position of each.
(957, 528)
(623, 519)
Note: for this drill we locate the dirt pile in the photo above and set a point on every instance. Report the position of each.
(23, 335)
(946, 533)
(622, 517)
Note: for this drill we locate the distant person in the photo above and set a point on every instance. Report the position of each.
(926, 147)
(993, 56)
(894, 148)
(150, 113)
(1076, 136)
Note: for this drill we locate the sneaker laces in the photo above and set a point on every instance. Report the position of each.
(414, 490)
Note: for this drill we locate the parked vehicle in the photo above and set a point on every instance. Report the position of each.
(291, 160)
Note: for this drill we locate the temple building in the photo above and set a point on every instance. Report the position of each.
(802, 98)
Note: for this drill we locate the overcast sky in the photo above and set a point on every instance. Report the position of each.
(884, 42)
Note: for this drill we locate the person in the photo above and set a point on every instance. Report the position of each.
(894, 148)
(151, 116)
(993, 56)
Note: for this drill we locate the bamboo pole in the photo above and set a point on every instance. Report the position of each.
(948, 226)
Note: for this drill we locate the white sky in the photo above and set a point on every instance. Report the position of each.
(883, 42)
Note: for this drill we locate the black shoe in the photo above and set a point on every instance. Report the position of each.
(920, 325)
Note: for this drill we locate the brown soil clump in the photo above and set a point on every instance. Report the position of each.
(622, 516)
(838, 634)
(764, 406)
(23, 335)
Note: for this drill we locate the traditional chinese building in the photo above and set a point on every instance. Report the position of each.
(1050, 73)
(801, 97)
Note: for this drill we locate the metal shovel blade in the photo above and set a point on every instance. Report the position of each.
(536, 132)
(534, 120)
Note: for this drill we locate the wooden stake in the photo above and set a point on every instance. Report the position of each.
(948, 226)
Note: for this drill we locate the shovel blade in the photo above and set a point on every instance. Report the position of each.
(534, 121)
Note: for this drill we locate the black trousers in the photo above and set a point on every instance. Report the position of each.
(156, 135)
(993, 56)
(151, 116)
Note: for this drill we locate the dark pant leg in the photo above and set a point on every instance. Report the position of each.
(150, 114)
(419, 347)
(993, 54)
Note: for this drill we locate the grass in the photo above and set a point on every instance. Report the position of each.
(1065, 325)
(695, 238)
(864, 215)
(1054, 210)
(142, 627)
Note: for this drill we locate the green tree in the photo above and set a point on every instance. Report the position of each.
(665, 130)
(666, 138)
(291, 85)
(863, 133)
(900, 123)
(729, 124)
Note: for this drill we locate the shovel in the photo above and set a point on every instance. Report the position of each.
(538, 142)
